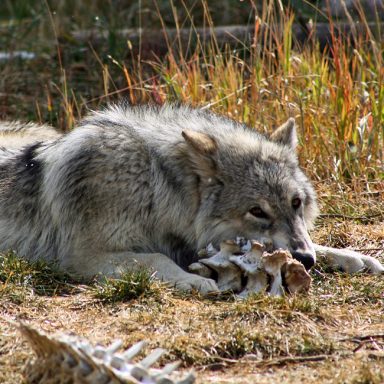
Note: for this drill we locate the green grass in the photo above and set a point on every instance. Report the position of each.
(21, 279)
(131, 285)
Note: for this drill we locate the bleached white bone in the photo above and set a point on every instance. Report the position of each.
(296, 277)
(273, 263)
(130, 353)
(244, 244)
(228, 274)
(208, 251)
(255, 263)
(252, 266)
(70, 359)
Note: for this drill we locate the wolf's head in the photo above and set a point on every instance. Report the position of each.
(252, 186)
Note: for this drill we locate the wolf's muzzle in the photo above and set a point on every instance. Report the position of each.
(305, 258)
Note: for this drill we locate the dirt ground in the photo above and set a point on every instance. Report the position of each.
(333, 335)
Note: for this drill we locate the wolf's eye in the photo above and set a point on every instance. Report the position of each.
(258, 212)
(296, 203)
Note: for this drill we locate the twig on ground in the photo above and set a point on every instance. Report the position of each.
(347, 217)
(301, 359)
(280, 361)
(358, 339)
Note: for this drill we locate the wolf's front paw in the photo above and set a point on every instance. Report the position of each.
(349, 261)
(201, 284)
(365, 263)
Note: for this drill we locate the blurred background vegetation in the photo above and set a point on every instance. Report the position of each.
(60, 58)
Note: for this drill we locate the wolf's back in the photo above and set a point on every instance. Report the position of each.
(15, 135)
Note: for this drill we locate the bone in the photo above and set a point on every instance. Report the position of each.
(268, 244)
(251, 265)
(201, 270)
(256, 261)
(296, 277)
(244, 244)
(69, 359)
(208, 251)
(273, 263)
(228, 274)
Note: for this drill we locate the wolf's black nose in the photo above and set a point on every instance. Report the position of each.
(305, 258)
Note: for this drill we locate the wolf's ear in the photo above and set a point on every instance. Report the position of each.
(201, 151)
(286, 134)
(201, 142)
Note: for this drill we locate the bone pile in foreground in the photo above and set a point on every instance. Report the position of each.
(239, 261)
(68, 359)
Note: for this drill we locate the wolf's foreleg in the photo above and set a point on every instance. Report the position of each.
(165, 269)
(348, 260)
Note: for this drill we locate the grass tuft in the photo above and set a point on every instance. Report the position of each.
(21, 278)
(130, 286)
(367, 375)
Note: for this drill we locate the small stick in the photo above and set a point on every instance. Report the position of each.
(300, 359)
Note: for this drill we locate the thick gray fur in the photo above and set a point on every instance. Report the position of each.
(142, 186)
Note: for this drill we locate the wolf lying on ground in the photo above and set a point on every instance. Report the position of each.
(149, 186)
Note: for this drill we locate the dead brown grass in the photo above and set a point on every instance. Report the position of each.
(322, 337)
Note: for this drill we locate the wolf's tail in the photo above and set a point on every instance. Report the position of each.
(15, 135)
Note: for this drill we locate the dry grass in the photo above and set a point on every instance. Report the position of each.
(333, 335)
(339, 105)
(322, 337)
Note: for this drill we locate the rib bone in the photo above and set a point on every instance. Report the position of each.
(273, 263)
(252, 266)
(296, 277)
(68, 359)
(228, 274)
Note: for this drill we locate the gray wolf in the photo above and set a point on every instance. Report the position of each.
(149, 186)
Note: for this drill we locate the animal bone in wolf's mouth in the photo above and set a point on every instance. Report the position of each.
(252, 266)
(228, 275)
(273, 262)
(248, 261)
